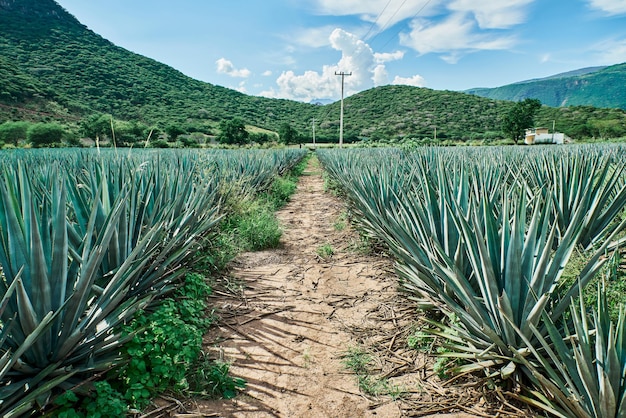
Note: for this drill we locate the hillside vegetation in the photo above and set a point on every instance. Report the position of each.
(603, 87)
(53, 68)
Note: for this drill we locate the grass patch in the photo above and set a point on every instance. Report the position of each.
(211, 379)
(359, 361)
(251, 224)
(331, 186)
(325, 251)
(611, 277)
(342, 222)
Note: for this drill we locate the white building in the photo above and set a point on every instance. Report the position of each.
(542, 136)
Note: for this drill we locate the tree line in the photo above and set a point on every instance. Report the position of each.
(108, 131)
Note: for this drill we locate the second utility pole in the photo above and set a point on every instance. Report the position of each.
(343, 75)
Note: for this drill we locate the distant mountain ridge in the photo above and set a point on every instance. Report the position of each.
(591, 86)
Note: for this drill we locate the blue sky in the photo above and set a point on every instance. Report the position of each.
(292, 48)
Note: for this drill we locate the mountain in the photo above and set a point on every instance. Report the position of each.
(593, 86)
(54, 68)
(58, 62)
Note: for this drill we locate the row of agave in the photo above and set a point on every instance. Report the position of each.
(88, 238)
(484, 235)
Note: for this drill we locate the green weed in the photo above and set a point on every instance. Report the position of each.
(211, 379)
(104, 402)
(358, 361)
(325, 251)
(341, 222)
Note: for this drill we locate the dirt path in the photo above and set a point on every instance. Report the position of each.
(295, 314)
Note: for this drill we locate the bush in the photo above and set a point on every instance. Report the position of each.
(45, 134)
(13, 132)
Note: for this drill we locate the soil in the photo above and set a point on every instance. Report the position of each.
(293, 317)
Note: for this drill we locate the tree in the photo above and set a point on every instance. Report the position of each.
(44, 134)
(288, 134)
(96, 126)
(233, 132)
(519, 118)
(173, 131)
(13, 132)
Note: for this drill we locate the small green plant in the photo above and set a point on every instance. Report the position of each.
(165, 344)
(358, 361)
(211, 379)
(281, 190)
(331, 186)
(341, 222)
(258, 231)
(104, 401)
(443, 364)
(160, 354)
(419, 340)
(251, 224)
(325, 251)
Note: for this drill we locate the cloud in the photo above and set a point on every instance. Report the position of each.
(380, 77)
(453, 37)
(312, 37)
(267, 73)
(388, 56)
(357, 57)
(224, 66)
(611, 7)
(452, 28)
(610, 52)
(385, 13)
(416, 80)
(491, 14)
(242, 87)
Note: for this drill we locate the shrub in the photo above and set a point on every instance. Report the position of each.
(45, 134)
(13, 132)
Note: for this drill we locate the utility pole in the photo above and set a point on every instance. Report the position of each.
(343, 75)
(313, 124)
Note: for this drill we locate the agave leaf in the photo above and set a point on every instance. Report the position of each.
(21, 405)
(606, 394)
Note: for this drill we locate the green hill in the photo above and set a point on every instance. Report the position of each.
(54, 68)
(599, 87)
(85, 73)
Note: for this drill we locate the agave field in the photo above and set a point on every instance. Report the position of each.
(482, 238)
(88, 238)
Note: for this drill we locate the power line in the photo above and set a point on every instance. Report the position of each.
(398, 31)
(376, 20)
(392, 16)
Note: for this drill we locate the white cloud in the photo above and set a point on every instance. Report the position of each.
(388, 12)
(267, 73)
(312, 37)
(388, 56)
(453, 37)
(491, 14)
(416, 80)
(610, 52)
(224, 66)
(381, 77)
(612, 7)
(451, 28)
(357, 57)
(242, 87)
